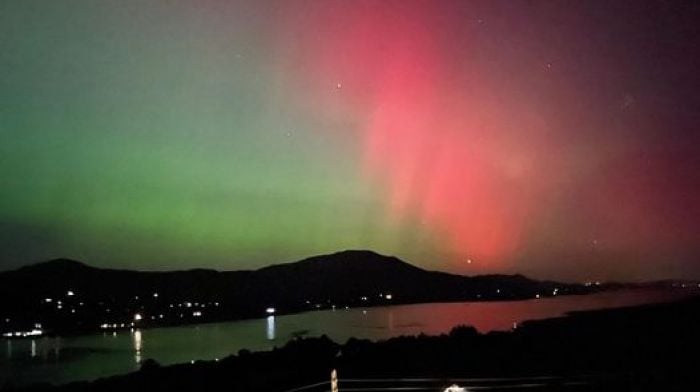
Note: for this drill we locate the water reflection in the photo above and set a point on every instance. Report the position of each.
(137, 342)
(99, 355)
(270, 327)
(33, 348)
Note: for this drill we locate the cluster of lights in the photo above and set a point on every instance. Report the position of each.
(24, 334)
(115, 325)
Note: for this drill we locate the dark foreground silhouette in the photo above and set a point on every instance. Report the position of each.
(646, 348)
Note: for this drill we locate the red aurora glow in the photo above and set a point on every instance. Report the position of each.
(448, 147)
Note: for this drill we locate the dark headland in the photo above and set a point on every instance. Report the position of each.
(66, 296)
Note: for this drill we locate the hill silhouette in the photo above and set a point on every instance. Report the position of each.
(350, 278)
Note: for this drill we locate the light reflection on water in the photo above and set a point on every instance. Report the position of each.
(60, 360)
(270, 328)
(137, 345)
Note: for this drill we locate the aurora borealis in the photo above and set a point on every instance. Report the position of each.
(557, 139)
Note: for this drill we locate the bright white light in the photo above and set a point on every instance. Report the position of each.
(270, 310)
(137, 317)
(155, 295)
(388, 296)
(48, 300)
(455, 388)
(70, 293)
(197, 313)
(537, 296)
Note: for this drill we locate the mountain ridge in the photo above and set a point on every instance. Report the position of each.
(70, 295)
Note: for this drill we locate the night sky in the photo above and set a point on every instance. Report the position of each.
(558, 139)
